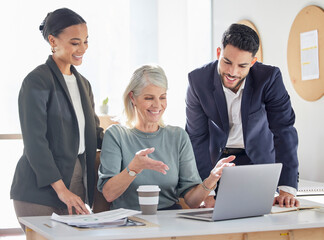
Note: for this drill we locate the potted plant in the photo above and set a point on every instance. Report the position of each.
(104, 106)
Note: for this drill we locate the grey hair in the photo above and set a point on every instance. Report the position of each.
(142, 77)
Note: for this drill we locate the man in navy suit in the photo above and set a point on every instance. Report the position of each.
(238, 106)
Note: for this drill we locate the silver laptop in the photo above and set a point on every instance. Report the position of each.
(244, 191)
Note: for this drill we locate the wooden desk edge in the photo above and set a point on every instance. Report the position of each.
(294, 234)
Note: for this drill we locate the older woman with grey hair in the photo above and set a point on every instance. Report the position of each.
(148, 152)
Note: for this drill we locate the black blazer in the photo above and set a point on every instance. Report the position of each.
(51, 137)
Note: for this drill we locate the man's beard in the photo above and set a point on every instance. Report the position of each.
(237, 86)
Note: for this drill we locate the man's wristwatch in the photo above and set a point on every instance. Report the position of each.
(131, 172)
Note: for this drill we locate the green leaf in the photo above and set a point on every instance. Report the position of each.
(105, 101)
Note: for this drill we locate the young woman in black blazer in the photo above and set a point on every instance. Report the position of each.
(59, 126)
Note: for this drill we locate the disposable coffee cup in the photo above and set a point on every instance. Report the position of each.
(148, 197)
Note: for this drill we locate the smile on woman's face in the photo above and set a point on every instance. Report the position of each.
(70, 46)
(150, 106)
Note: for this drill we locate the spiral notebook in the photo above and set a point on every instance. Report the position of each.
(309, 188)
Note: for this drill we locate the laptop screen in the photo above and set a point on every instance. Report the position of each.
(247, 190)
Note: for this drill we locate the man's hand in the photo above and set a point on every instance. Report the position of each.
(286, 200)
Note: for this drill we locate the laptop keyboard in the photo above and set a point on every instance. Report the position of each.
(206, 215)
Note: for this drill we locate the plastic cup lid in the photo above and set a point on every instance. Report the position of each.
(148, 188)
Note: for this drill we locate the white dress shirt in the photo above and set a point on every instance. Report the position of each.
(235, 137)
(233, 100)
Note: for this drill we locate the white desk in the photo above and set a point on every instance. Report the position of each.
(298, 225)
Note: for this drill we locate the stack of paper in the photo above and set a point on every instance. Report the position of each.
(111, 218)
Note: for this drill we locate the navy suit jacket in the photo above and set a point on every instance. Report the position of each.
(267, 120)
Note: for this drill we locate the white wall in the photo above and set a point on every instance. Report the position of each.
(184, 43)
(174, 34)
(273, 19)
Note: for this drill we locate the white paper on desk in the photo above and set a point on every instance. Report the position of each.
(116, 223)
(309, 55)
(96, 218)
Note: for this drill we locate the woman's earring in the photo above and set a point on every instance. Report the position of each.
(53, 49)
